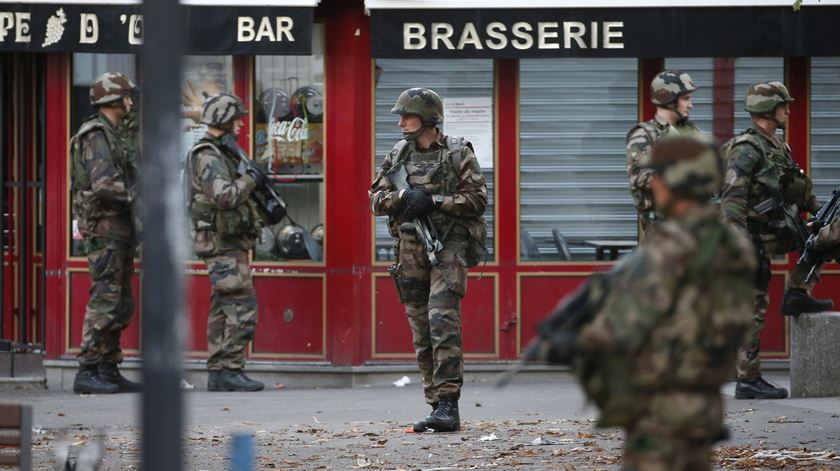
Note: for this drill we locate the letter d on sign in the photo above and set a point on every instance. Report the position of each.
(88, 29)
(414, 36)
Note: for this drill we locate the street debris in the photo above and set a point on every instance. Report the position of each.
(402, 381)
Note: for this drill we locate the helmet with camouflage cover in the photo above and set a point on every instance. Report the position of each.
(764, 97)
(423, 102)
(691, 167)
(669, 85)
(221, 109)
(110, 87)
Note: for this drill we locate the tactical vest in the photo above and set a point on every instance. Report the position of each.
(86, 207)
(776, 173)
(438, 172)
(237, 227)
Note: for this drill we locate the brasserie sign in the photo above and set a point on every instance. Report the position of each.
(605, 32)
(67, 27)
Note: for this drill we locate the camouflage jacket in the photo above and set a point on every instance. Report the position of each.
(760, 165)
(223, 216)
(102, 180)
(464, 190)
(666, 335)
(640, 142)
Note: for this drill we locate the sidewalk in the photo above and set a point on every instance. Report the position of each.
(528, 425)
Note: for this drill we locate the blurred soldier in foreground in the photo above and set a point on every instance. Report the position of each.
(226, 224)
(430, 185)
(103, 180)
(671, 93)
(652, 340)
(763, 195)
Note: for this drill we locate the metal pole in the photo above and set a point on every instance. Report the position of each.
(163, 237)
(4, 64)
(42, 200)
(21, 231)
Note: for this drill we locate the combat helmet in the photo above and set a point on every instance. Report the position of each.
(764, 97)
(219, 110)
(691, 167)
(669, 85)
(423, 102)
(290, 242)
(110, 87)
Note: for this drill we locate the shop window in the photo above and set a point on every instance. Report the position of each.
(461, 84)
(574, 115)
(288, 113)
(86, 68)
(825, 124)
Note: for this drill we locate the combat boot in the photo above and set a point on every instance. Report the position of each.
(235, 380)
(758, 388)
(420, 425)
(797, 300)
(88, 381)
(445, 418)
(213, 380)
(109, 372)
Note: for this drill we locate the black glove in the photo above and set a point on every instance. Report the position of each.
(259, 177)
(417, 203)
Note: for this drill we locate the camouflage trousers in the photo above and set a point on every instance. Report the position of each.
(233, 310)
(665, 450)
(434, 314)
(798, 275)
(748, 365)
(111, 303)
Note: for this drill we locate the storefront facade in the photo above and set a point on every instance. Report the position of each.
(545, 94)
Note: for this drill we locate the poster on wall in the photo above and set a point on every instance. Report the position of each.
(203, 77)
(471, 118)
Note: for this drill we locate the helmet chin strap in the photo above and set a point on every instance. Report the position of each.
(413, 135)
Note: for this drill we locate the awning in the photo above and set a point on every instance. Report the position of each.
(602, 28)
(281, 27)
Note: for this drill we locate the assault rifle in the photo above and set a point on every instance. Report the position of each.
(777, 202)
(556, 339)
(426, 233)
(269, 203)
(824, 216)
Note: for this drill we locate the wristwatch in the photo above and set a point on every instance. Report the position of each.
(438, 199)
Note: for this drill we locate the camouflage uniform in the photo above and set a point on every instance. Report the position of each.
(435, 314)
(226, 225)
(103, 196)
(828, 240)
(759, 164)
(666, 88)
(664, 340)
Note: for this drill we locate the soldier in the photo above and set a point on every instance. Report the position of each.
(103, 198)
(665, 335)
(445, 187)
(796, 299)
(671, 93)
(226, 224)
(761, 170)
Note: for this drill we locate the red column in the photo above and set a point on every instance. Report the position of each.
(507, 184)
(348, 175)
(723, 104)
(797, 79)
(648, 68)
(57, 209)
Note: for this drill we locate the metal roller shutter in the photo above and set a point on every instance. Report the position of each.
(449, 78)
(825, 125)
(574, 116)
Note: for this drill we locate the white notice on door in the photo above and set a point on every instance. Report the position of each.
(472, 119)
